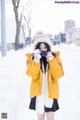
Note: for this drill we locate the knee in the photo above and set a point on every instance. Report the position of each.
(50, 115)
(41, 116)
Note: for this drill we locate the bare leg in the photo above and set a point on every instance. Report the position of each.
(50, 115)
(41, 116)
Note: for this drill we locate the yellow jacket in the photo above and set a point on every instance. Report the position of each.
(54, 73)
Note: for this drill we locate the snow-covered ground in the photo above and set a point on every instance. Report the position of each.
(14, 85)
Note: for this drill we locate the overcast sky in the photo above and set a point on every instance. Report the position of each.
(48, 16)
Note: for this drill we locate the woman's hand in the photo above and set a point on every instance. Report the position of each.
(49, 55)
(37, 55)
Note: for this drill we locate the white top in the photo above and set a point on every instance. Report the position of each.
(43, 100)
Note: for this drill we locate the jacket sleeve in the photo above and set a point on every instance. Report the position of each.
(56, 68)
(33, 68)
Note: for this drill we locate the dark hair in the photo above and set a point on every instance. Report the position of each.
(46, 44)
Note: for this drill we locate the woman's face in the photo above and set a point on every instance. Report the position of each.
(43, 47)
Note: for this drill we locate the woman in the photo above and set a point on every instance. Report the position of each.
(45, 68)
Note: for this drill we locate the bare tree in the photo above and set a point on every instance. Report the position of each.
(18, 19)
(23, 30)
(27, 25)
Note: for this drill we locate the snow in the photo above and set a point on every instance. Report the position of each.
(14, 85)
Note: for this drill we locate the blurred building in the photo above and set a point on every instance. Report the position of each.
(68, 24)
(73, 35)
(59, 38)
